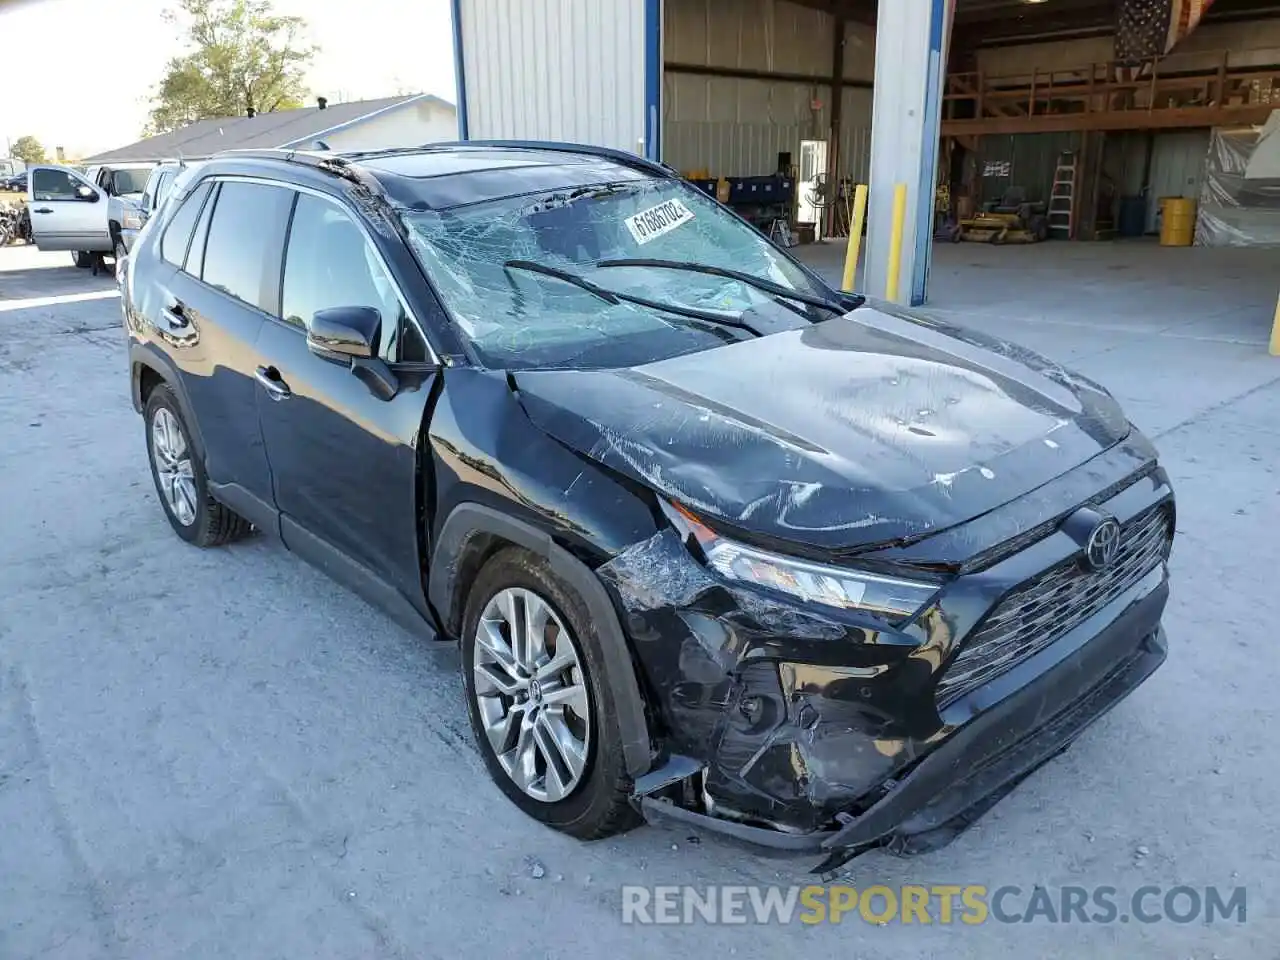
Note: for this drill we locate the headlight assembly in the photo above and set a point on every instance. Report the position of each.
(841, 587)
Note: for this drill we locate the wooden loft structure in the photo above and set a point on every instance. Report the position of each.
(1110, 97)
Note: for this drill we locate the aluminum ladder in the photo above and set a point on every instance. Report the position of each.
(1062, 198)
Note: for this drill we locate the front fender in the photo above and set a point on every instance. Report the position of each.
(465, 522)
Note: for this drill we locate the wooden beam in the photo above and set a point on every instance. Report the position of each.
(702, 70)
(1173, 118)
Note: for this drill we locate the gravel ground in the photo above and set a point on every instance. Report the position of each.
(222, 754)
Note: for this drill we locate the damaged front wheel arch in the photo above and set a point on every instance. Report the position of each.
(470, 536)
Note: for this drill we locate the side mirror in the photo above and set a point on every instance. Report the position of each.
(344, 333)
(85, 193)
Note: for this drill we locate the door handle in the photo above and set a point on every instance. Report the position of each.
(276, 388)
(42, 210)
(174, 318)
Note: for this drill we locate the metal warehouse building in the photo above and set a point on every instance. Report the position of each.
(1084, 116)
(713, 85)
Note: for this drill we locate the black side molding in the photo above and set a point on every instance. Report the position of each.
(468, 519)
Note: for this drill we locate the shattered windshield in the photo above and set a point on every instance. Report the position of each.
(517, 318)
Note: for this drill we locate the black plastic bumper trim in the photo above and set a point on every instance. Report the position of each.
(984, 759)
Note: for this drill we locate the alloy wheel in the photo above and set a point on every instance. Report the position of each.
(171, 459)
(532, 694)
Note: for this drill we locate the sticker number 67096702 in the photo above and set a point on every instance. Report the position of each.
(654, 222)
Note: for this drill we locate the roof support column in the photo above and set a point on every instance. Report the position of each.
(911, 46)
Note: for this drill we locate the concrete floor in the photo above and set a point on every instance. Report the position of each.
(1172, 332)
(221, 754)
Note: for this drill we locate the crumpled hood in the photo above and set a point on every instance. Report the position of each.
(862, 430)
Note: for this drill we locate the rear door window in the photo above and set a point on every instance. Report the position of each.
(243, 251)
(177, 235)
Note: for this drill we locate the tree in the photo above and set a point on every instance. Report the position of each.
(29, 149)
(242, 59)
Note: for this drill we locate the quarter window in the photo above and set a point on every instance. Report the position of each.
(177, 235)
(242, 252)
(330, 262)
(50, 184)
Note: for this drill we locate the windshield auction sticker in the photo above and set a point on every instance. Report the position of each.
(652, 223)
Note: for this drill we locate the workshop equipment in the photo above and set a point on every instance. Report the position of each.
(945, 224)
(1011, 219)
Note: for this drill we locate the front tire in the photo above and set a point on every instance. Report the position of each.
(82, 259)
(532, 666)
(180, 479)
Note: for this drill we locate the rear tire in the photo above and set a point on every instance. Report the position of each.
(82, 259)
(180, 479)
(596, 801)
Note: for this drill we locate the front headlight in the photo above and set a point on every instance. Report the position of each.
(891, 597)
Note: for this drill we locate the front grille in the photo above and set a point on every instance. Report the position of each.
(1038, 612)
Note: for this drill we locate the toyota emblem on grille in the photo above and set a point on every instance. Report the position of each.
(1103, 544)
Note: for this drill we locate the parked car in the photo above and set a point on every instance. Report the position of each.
(718, 543)
(85, 212)
(159, 182)
(17, 182)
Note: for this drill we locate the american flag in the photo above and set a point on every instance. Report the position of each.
(1151, 28)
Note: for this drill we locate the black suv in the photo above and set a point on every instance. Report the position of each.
(719, 543)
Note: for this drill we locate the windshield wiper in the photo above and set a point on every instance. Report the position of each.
(617, 296)
(580, 282)
(768, 286)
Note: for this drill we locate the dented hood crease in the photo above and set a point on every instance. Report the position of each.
(860, 430)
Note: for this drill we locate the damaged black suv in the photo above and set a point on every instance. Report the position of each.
(719, 544)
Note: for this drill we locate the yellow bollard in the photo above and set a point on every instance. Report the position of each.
(855, 237)
(1275, 332)
(895, 242)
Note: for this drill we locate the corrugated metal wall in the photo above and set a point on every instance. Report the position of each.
(555, 70)
(1031, 159)
(749, 34)
(575, 70)
(1177, 169)
(737, 127)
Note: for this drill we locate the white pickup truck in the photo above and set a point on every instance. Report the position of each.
(85, 212)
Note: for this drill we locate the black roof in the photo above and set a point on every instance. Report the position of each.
(440, 176)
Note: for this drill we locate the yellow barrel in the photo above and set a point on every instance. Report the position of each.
(1177, 221)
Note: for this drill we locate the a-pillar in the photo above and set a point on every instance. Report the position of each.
(911, 46)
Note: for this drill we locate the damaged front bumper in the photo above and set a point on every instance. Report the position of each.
(804, 733)
(953, 786)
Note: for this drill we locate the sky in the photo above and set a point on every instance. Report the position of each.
(88, 87)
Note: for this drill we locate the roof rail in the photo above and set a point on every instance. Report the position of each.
(609, 153)
(326, 162)
(311, 158)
